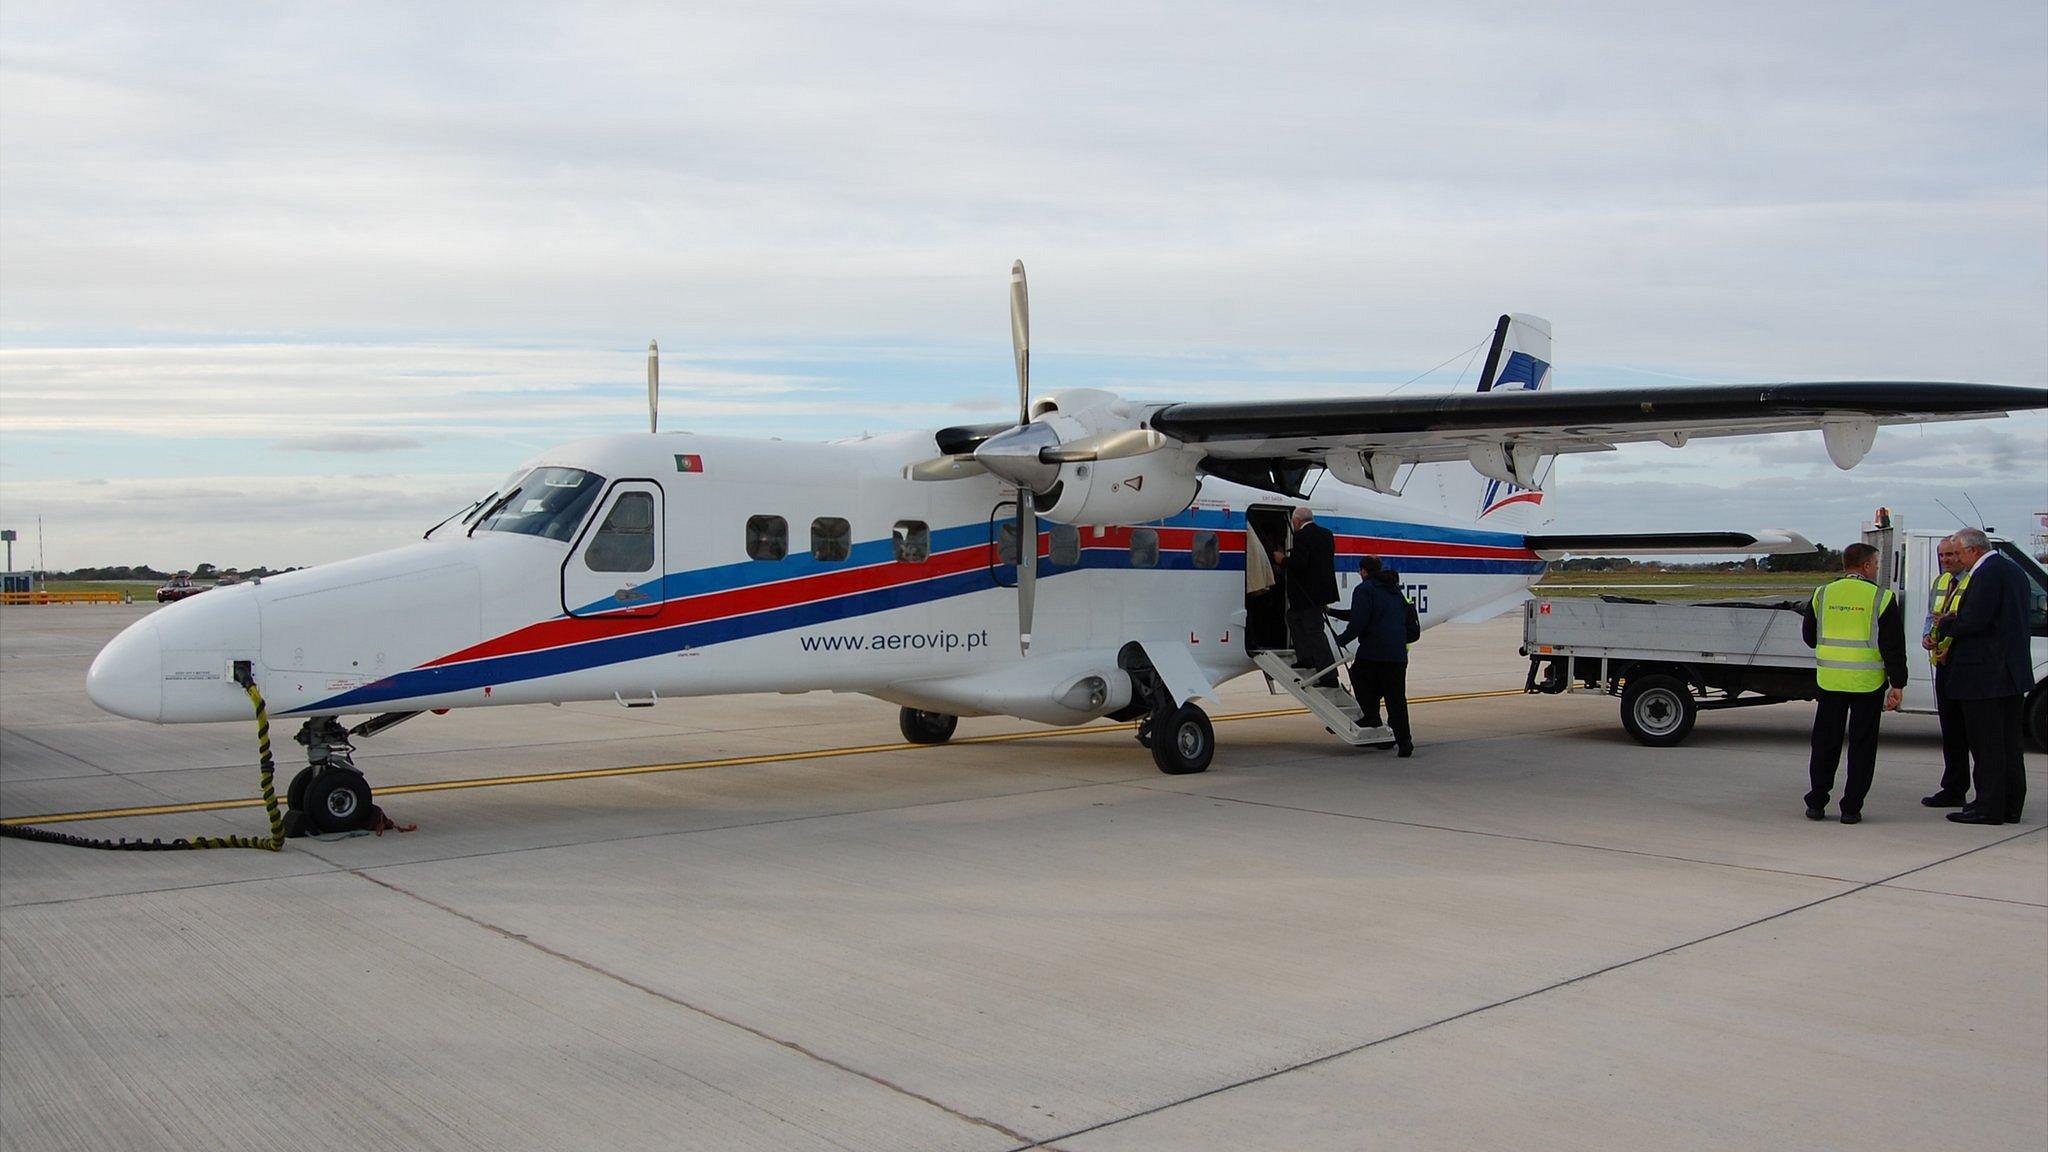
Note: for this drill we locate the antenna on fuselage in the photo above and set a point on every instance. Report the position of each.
(653, 386)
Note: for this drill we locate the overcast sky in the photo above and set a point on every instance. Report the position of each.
(280, 285)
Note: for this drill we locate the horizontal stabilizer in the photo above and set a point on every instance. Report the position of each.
(1767, 542)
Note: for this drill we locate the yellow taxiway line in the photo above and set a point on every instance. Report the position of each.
(684, 766)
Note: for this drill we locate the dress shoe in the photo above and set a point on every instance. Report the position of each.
(1405, 751)
(1813, 813)
(1944, 800)
(1973, 816)
(1852, 817)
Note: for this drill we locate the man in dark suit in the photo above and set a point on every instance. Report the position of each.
(1310, 561)
(1988, 676)
(1943, 599)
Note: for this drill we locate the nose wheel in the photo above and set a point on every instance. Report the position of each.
(328, 795)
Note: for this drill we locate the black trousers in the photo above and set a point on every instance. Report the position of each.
(1994, 730)
(1375, 680)
(1955, 741)
(1307, 628)
(1861, 711)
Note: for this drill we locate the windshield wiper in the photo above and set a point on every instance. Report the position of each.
(463, 512)
(500, 502)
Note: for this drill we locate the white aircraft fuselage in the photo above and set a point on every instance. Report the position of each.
(885, 586)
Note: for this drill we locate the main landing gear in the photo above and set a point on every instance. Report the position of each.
(329, 794)
(1181, 739)
(921, 727)
(1179, 735)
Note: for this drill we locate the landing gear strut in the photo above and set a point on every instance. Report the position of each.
(328, 795)
(1179, 735)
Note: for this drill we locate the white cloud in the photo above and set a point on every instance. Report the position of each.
(456, 224)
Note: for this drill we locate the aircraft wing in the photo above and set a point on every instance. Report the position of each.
(1435, 428)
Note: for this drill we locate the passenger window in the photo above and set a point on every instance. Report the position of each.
(913, 541)
(1066, 544)
(1144, 548)
(1006, 542)
(767, 537)
(831, 538)
(1205, 550)
(625, 541)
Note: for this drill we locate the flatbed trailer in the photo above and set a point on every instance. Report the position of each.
(1670, 661)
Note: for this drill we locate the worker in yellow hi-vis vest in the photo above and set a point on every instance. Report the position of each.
(1942, 600)
(1858, 637)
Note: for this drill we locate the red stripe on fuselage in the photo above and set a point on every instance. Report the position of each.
(563, 631)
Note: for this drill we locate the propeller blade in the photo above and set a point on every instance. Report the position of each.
(1027, 565)
(944, 468)
(1107, 446)
(1020, 339)
(653, 386)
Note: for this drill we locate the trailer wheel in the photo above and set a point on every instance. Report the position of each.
(1657, 710)
(2037, 717)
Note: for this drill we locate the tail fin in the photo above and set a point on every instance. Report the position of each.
(1518, 361)
(1525, 341)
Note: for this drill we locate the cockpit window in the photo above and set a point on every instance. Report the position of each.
(548, 502)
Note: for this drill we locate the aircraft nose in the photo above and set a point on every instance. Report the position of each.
(126, 678)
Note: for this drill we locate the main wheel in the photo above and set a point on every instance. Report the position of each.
(921, 727)
(338, 800)
(1657, 710)
(1183, 742)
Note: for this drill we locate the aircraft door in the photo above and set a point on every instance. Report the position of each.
(615, 567)
(1265, 598)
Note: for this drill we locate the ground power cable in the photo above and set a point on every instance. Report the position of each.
(272, 843)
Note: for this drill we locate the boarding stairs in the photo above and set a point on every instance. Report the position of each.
(1333, 706)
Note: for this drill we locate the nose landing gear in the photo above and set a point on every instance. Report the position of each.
(329, 794)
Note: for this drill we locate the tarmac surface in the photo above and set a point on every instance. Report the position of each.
(1533, 934)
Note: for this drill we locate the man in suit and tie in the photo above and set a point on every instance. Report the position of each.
(1988, 675)
(1310, 561)
(1942, 600)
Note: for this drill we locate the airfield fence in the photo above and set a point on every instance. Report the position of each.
(65, 598)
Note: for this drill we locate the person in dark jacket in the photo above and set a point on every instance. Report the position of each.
(1383, 623)
(1310, 561)
(1989, 673)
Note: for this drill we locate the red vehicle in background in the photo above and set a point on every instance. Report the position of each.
(180, 587)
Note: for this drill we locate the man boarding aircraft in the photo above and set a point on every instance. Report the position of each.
(642, 567)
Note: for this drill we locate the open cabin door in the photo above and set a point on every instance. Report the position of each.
(615, 566)
(1265, 608)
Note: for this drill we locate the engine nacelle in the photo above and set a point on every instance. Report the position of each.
(1128, 491)
(1132, 490)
